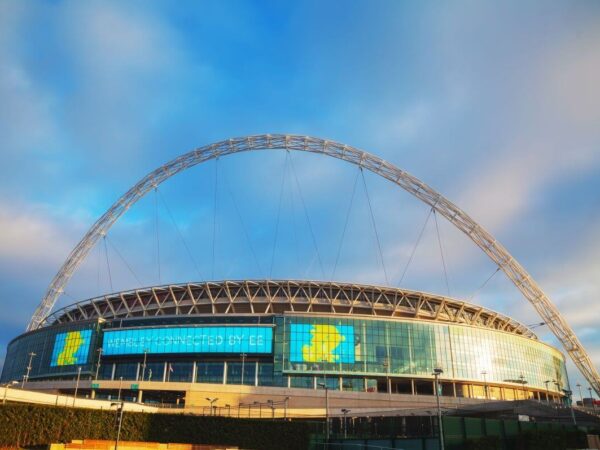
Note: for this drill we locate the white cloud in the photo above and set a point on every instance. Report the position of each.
(30, 235)
(554, 138)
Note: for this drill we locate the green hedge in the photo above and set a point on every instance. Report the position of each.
(551, 440)
(24, 425)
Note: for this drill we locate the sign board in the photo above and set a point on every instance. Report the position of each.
(217, 339)
(71, 348)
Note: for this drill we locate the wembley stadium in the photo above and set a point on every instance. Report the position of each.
(293, 347)
(284, 341)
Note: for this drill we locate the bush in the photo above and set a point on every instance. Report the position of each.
(34, 425)
(484, 443)
(550, 440)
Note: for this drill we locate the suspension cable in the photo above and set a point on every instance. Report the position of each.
(374, 227)
(294, 224)
(114, 247)
(244, 227)
(480, 288)
(214, 230)
(441, 252)
(187, 248)
(157, 233)
(312, 233)
(99, 248)
(107, 263)
(337, 258)
(284, 172)
(414, 250)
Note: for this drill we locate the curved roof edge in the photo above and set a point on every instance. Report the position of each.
(281, 296)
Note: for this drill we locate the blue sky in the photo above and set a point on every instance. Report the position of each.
(495, 105)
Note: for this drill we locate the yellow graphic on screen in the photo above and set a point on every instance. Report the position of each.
(73, 342)
(325, 339)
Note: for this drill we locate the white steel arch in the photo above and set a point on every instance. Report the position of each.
(484, 240)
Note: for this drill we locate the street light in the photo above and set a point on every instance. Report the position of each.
(345, 413)
(580, 394)
(285, 407)
(386, 364)
(485, 386)
(6, 386)
(120, 386)
(144, 364)
(98, 364)
(228, 410)
(272, 406)
(243, 356)
(523, 382)
(436, 373)
(324, 386)
(26, 377)
(212, 401)
(547, 391)
(569, 395)
(119, 419)
(592, 398)
(77, 385)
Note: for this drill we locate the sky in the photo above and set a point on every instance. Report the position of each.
(493, 104)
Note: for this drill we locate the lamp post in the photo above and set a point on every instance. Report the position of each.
(77, 385)
(120, 386)
(259, 404)
(243, 356)
(592, 398)
(523, 381)
(547, 391)
(580, 394)
(436, 373)
(324, 386)
(345, 413)
(557, 384)
(6, 386)
(212, 401)
(386, 364)
(26, 377)
(569, 395)
(485, 386)
(272, 406)
(285, 407)
(98, 363)
(144, 364)
(119, 419)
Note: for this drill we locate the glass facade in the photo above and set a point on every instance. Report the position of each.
(304, 351)
(54, 352)
(414, 348)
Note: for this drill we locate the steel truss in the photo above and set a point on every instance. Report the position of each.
(284, 296)
(484, 240)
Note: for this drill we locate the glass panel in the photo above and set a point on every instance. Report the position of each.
(234, 373)
(180, 371)
(209, 372)
(302, 382)
(128, 371)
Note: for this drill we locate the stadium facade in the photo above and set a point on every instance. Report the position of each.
(241, 343)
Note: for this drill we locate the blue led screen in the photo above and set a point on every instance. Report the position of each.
(321, 343)
(188, 340)
(71, 348)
